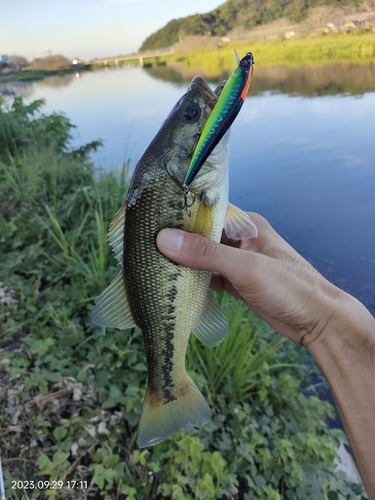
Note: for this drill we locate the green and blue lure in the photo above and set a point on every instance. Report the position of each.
(223, 115)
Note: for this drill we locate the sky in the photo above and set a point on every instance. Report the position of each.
(87, 28)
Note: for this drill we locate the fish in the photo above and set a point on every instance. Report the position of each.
(225, 112)
(165, 300)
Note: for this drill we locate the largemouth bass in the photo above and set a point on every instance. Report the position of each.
(165, 300)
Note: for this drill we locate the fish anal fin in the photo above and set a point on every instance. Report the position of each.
(161, 420)
(238, 225)
(112, 308)
(213, 325)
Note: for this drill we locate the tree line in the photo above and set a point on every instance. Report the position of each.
(236, 13)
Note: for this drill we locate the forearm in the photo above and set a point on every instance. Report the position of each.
(345, 350)
(286, 291)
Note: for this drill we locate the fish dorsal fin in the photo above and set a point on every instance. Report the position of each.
(213, 325)
(112, 309)
(116, 233)
(238, 225)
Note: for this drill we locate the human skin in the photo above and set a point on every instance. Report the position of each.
(279, 285)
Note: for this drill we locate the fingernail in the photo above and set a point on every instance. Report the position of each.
(170, 239)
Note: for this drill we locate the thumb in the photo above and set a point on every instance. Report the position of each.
(196, 251)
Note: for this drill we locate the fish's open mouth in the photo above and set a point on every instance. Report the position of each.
(211, 96)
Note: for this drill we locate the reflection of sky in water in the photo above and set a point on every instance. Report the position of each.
(306, 164)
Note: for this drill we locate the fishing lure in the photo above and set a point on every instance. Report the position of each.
(223, 115)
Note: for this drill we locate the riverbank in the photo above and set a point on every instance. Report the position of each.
(353, 47)
(331, 48)
(27, 75)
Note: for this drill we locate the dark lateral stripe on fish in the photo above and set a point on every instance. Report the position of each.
(160, 360)
(168, 367)
(169, 348)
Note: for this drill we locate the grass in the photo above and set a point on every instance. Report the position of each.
(71, 393)
(340, 47)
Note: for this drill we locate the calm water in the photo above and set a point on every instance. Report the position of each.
(302, 150)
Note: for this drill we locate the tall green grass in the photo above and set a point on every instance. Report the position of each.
(340, 47)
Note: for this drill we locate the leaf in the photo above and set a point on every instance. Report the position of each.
(196, 448)
(58, 458)
(43, 461)
(217, 463)
(41, 347)
(207, 484)
(140, 367)
(60, 433)
(111, 461)
(130, 493)
(70, 340)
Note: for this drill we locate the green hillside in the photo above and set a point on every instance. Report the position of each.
(234, 13)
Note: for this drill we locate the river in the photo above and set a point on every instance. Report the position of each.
(302, 149)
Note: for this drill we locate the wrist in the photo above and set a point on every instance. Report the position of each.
(344, 326)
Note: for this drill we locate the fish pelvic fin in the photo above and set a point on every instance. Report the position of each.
(112, 309)
(213, 325)
(238, 225)
(160, 420)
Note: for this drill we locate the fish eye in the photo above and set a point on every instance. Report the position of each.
(190, 112)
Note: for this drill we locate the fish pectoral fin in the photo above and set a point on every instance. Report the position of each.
(238, 225)
(116, 233)
(112, 309)
(161, 420)
(213, 325)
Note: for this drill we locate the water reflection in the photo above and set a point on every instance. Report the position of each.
(318, 80)
(58, 81)
(16, 89)
(25, 89)
(179, 73)
(332, 79)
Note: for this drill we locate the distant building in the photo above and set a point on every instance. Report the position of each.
(4, 59)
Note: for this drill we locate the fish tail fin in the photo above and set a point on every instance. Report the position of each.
(161, 420)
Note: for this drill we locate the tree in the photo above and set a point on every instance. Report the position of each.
(50, 62)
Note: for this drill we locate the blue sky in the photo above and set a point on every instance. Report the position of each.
(87, 28)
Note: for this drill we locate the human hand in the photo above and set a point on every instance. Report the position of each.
(285, 290)
(266, 273)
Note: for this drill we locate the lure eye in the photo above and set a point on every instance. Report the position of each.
(190, 112)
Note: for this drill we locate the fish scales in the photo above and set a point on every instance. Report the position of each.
(168, 301)
(167, 317)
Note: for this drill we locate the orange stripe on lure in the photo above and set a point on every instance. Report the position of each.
(222, 116)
